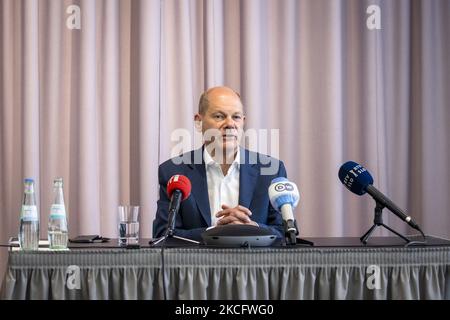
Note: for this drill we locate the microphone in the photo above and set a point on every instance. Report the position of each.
(358, 180)
(178, 189)
(284, 196)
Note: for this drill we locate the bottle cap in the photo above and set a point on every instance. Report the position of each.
(28, 180)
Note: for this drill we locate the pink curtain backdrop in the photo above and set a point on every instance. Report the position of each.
(99, 105)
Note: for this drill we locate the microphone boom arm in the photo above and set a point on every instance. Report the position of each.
(176, 199)
(386, 203)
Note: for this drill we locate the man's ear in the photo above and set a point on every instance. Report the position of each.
(198, 122)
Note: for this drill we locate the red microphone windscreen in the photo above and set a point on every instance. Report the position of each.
(181, 183)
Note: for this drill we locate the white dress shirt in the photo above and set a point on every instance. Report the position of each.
(221, 189)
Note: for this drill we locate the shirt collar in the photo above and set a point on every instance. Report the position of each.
(210, 161)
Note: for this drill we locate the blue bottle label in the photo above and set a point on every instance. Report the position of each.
(57, 211)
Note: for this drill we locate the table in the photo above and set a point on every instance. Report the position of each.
(334, 268)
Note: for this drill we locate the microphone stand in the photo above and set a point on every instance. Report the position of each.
(378, 221)
(291, 232)
(169, 237)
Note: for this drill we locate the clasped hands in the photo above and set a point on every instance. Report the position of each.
(236, 215)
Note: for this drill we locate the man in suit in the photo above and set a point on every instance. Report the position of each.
(229, 183)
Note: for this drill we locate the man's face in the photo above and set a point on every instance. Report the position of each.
(223, 120)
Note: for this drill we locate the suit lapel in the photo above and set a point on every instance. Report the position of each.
(200, 185)
(248, 176)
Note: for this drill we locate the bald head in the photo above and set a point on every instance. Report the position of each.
(214, 94)
(221, 119)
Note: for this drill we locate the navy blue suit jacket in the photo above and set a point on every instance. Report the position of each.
(194, 215)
